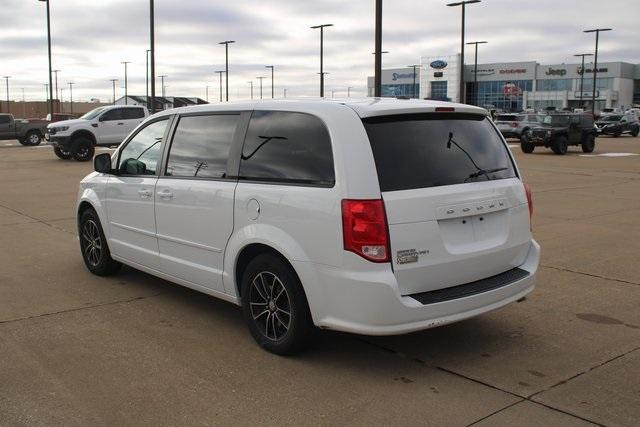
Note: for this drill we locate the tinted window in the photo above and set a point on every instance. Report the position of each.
(5, 119)
(115, 114)
(201, 145)
(508, 118)
(287, 147)
(140, 155)
(132, 113)
(429, 150)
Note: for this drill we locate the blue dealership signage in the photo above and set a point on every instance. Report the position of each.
(438, 64)
(397, 76)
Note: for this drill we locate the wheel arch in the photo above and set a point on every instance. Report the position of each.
(89, 200)
(83, 133)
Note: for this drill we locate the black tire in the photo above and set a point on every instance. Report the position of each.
(271, 289)
(82, 149)
(61, 153)
(525, 145)
(32, 138)
(617, 134)
(93, 245)
(588, 144)
(635, 131)
(560, 145)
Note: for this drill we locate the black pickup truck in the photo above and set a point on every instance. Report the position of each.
(28, 132)
(560, 130)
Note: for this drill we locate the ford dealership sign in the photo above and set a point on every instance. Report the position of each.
(438, 64)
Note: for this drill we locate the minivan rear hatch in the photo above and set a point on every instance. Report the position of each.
(456, 210)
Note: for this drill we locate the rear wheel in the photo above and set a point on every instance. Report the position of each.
(32, 138)
(560, 145)
(62, 153)
(588, 144)
(82, 149)
(525, 145)
(93, 245)
(635, 131)
(275, 306)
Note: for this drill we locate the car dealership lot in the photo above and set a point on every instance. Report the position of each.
(133, 349)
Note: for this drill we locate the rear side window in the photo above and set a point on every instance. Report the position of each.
(132, 113)
(115, 114)
(430, 150)
(508, 118)
(200, 146)
(287, 147)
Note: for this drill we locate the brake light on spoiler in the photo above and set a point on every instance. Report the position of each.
(445, 109)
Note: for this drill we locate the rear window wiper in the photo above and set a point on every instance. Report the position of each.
(485, 172)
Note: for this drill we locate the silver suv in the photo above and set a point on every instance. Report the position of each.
(516, 125)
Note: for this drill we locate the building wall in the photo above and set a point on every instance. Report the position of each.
(396, 82)
(437, 71)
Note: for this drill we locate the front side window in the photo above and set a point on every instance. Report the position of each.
(287, 147)
(93, 113)
(200, 146)
(434, 149)
(115, 114)
(141, 154)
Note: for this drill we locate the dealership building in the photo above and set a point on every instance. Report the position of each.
(514, 86)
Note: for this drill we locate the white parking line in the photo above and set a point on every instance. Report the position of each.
(609, 155)
(513, 145)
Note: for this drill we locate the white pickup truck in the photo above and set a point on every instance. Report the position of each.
(103, 126)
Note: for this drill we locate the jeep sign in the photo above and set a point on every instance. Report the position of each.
(556, 72)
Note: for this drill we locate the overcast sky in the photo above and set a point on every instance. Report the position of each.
(91, 38)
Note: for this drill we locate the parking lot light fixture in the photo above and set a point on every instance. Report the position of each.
(71, 96)
(220, 72)
(113, 83)
(50, 96)
(6, 78)
(463, 5)
(57, 92)
(152, 48)
(260, 78)
(582, 55)
(595, 67)
(475, 67)
(377, 85)
(349, 91)
(322, 73)
(413, 90)
(251, 84)
(146, 86)
(126, 82)
(272, 70)
(226, 44)
(162, 86)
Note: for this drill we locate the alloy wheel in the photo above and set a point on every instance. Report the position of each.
(92, 247)
(270, 305)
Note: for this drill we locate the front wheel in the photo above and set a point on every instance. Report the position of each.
(62, 153)
(32, 138)
(560, 145)
(93, 245)
(589, 144)
(635, 131)
(275, 306)
(82, 149)
(526, 145)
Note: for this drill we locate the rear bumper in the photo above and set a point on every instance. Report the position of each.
(369, 303)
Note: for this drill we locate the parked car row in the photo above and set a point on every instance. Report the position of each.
(26, 131)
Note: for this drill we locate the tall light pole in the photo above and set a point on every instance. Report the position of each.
(220, 72)
(146, 85)
(284, 93)
(50, 68)
(582, 55)
(24, 106)
(322, 73)
(207, 93)
(272, 68)
(71, 96)
(57, 93)
(463, 4)
(162, 84)
(475, 67)
(413, 91)
(349, 91)
(260, 78)
(113, 83)
(152, 48)
(6, 78)
(595, 67)
(377, 85)
(226, 44)
(251, 83)
(126, 82)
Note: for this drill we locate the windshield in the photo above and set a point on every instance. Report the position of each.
(93, 113)
(611, 118)
(556, 120)
(432, 149)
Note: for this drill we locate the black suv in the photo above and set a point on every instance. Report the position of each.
(558, 131)
(617, 124)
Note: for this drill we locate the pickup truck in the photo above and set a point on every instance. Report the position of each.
(28, 132)
(102, 126)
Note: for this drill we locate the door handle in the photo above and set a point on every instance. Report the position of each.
(120, 124)
(166, 194)
(145, 194)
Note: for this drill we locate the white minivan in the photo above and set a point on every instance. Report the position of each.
(373, 216)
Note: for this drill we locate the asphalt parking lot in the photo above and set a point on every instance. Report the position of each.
(76, 349)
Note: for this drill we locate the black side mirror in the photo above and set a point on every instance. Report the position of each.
(102, 163)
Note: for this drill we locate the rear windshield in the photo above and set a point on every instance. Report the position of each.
(434, 149)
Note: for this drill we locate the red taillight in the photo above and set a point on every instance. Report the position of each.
(445, 109)
(527, 190)
(364, 227)
(514, 125)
